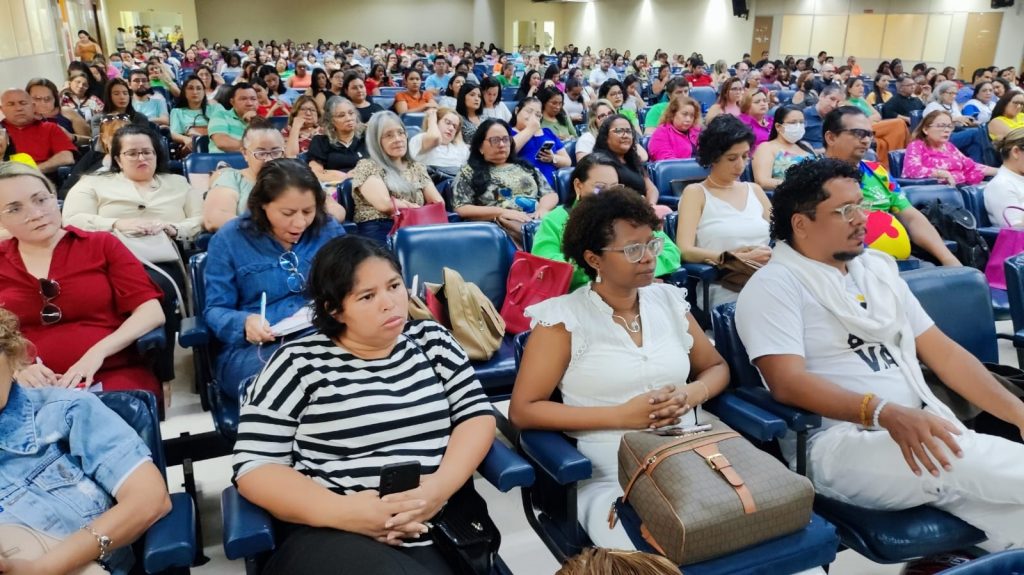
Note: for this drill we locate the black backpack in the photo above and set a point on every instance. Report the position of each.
(956, 224)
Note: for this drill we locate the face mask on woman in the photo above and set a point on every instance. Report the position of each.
(792, 133)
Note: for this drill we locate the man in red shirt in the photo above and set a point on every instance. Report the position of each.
(46, 142)
(699, 76)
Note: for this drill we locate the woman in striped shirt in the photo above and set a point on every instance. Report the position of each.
(330, 409)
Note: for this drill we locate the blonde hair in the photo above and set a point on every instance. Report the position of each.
(107, 130)
(441, 113)
(601, 561)
(748, 99)
(13, 345)
(674, 105)
(17, 169)
(592, 124)
(1013, 139)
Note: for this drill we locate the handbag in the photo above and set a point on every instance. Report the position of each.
(531, 279)
(690, 491)
(1009, 243)
(156, 249)
(734, 271)
(425, 215)
(19, 542)
(465, 310)
(465, 535)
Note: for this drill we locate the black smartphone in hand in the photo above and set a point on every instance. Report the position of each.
(545, 147)
(399, 477)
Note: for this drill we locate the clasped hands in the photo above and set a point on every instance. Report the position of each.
(397, 517)
(660, 407)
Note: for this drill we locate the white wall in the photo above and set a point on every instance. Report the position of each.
(16, 72)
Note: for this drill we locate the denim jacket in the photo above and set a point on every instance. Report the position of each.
(63, 455)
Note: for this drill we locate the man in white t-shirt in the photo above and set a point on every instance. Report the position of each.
(603, 73)
(834, 330)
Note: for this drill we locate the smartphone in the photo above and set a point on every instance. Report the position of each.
(399, 477)
(545, 147)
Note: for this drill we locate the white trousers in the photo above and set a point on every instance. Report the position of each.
(985, 488)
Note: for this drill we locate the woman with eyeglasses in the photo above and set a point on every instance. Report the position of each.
(730, 94)
(190, 116)
(340, 145)
(45, 101)
(440, 145)
(1008, 115)
(930, 154)
(303, 125)
(722, 214)
(597, 112)
(618, 139)
(265, 252)
(230, 187)
(81, 297)
(625, 353)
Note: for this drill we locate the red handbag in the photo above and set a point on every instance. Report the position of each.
(531, 279)
(424, 215)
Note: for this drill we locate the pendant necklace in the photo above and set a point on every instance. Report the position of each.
(631, 326)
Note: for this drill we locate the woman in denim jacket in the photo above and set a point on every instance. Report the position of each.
(71, 469)
(268, 250)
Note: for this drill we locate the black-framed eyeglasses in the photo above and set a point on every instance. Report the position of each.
(498, 141)
(859, 133)
(635, 252)
(51, 313)
(289, 262)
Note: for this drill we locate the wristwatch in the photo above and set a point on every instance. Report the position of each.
(104, 543)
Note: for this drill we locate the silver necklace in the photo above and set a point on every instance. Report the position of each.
(631, 326)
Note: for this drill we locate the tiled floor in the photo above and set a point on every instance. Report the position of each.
(520, 547)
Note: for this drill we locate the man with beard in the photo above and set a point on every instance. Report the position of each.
(834, 329)
(847, 134)
(145, 101)
(46, 142)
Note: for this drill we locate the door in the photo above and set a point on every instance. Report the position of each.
(980, 39)
(762, 37)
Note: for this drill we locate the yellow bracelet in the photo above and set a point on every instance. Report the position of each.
(864, 409)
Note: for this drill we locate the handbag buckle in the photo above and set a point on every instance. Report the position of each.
(715, 466)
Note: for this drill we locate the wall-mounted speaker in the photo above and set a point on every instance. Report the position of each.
(1002, 3)
(740, 10)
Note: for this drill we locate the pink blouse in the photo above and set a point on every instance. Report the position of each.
(668, 143)
(921, 160)
(761, 129)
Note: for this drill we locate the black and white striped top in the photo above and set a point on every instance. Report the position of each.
(337, 418)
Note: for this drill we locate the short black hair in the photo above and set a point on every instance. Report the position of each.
(162, 161)
(582, 170)
(274, 178)
(333, 275)
(724, 132)
(592, 220)
(832, 123)
(802, 189)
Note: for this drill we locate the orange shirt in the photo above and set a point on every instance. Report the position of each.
(412, 101)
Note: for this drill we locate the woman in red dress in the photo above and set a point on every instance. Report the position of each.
(82, 298)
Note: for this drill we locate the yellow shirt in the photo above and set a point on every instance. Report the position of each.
(1013, 124)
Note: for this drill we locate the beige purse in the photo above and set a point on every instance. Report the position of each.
(19, 542)
(156, 249)
(709, 494)
(465, 310)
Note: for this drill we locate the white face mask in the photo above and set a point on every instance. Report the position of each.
(792, 133)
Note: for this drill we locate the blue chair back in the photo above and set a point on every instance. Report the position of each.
(563, 186)
(384, 102)
(921, 195)
(480, 251)
(682, 172)
(139, 410)
(896, 163)
(291, 94)
(729, 344)
(413, 119)
(570, 148)
(669, 223)
(529, 230)
(705, 95)
(959, 302)
(278, 122)
(346, 200)
(785, 96)
(411, 131)
(915, 118)
(481, 71)
(197, 163)
(390, 91)
(974, 201)
(1014, 267)
(508, 94)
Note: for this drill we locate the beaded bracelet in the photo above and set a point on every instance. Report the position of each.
(878, 411)
(864, 409)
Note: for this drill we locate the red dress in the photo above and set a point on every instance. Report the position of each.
(101, 283)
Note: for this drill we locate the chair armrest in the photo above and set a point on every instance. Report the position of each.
(747, 418)
(680, 278)
(193, 332)
(917, 181)
(248, 529)
(668, 200)
(156, 338)
(454, 218)
(703, 272)
(796, 419)
(555, 456)
(505, 469)
(171, 542)
(1018, 339)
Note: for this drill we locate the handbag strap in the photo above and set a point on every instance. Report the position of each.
(1005, 219)
(652, 460)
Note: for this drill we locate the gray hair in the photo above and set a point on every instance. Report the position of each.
(830, 89)
(393, 179)
(327, 120)
(942, 88)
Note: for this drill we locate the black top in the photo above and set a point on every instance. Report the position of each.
(336, 156)
(365, 113)
(631, 178)
(900, 105)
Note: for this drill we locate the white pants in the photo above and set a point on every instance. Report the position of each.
(985, 488)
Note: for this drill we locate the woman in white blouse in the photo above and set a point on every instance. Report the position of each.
(612, 348)
(440, 145)
(1006, 190)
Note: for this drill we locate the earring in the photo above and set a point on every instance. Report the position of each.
(598, 278)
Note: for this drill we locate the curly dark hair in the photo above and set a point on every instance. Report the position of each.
(481, 170)
(632, 158)
(802, 189)
(591, 226)
(724, 132)
(277, 176)
(333, 274)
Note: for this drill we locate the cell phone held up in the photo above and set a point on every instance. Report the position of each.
(546, 147)
(399, 477)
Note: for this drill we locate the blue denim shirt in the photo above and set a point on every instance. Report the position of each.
(63, 455)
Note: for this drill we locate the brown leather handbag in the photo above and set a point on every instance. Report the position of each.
(709, 494)
(734, 271)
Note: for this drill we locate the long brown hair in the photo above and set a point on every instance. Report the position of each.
(600, 561)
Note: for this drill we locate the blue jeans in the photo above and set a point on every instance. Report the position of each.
(975, 144)
(375, 229)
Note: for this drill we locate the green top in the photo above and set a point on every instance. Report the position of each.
(654, 115)
(547, 243)
(565, 132)
(505, 82)
(225, 121)
(880, 191)
(863, 105)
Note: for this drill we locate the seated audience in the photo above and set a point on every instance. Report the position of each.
(354, 89)
(855, 97)
(264, 253)
(508, 77)
(402, 371)
(414, 98)
(805, 94)
(76, 97)
(265, 106)
(678, 130)
(117, 492)
(930, 154)
(493, 106)
(389, 179)
(47, 143)
(610, 384)
(785, 147)
(599, 111)
(536, 144)
(228, 124)
(831, 97)
(812, 321)
(97, 160)
(340, 146)
(574, 101)
(529, 85)
(117, 101)
(45, 102)
(880, 93)
(554, 116)
(722, 214)
(440, 146)
(754, 113)
(304, 122)
(730, 95)
(944, 98)
(676, 88)
(81, 297)
(903, 102)
(1006, 190)
(377, 79)
(847, 138)
(593, 174)
(1008, 115)
(230, 187)
(497, 185)
(469, 103)
(613, 91)
(146, 101)
(301, 79)
(190, 117)
(981, 104)
(447, 97)
(618, 139)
